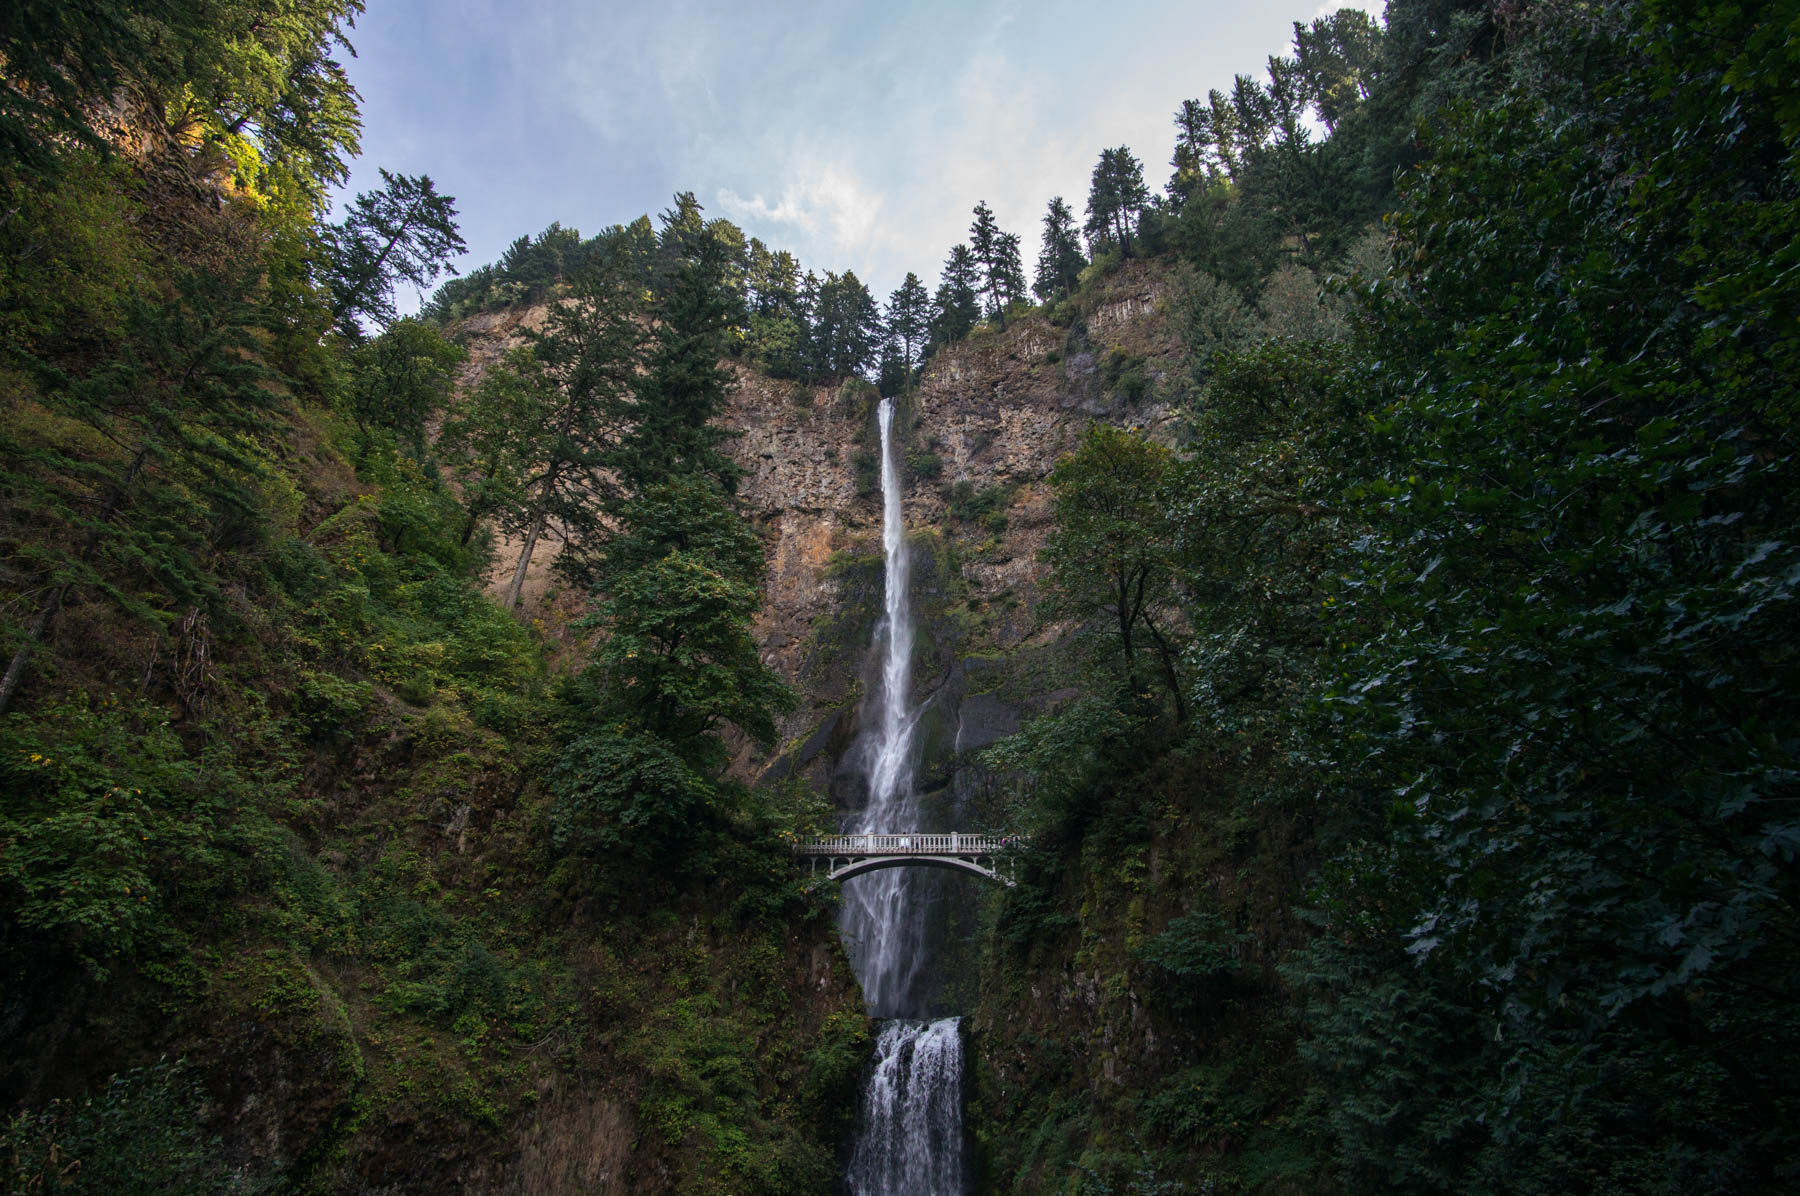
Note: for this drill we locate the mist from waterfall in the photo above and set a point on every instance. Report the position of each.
(910, 1139)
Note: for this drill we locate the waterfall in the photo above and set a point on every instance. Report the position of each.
(884, 924)
(910, 1140)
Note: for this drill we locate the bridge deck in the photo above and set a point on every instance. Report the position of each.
(904, 844)
(845, 856)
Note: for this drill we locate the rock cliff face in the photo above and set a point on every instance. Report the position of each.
(984, 428)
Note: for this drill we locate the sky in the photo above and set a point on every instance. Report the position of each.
(856, 135)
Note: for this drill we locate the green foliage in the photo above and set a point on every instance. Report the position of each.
(630, 794)
(865, 466)
(138, 1135)
(680, 660)
(1560, 642)
(1258, 531)
(924, 466)
(406, 232)
(1116, 199)
(681, 387)
(1109, 553)
(986, 506)
(249, 84)
(114, 829)
(400, 379)
(1207, 1105)
(956, 307)
(1127, 375)
(1195, 946)
(1060, 759)
(1060, 260)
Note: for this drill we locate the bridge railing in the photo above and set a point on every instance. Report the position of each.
(954, 843)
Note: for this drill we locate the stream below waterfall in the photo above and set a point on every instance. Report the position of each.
(910, 1139)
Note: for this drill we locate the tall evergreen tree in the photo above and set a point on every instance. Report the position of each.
(1009, 273)
(405, 232)
(846, 327)
(536, 432)
(682, 386)
(1060, 259)
(957, 305)
(1339, 57)
(1116, 197)
(909, 321)
(984, 244)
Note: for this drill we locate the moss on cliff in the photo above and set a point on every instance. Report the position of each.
(1131, 1029)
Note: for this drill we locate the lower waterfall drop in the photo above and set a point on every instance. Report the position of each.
(910, 1142)
(911, 1136)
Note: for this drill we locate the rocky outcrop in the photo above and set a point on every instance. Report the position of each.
(987, 422)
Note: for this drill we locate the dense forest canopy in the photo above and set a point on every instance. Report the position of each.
(1458, 589)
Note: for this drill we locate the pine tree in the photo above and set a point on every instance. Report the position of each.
(957, 305)
(1060, 260)
(984, 243)
(405, 232)
(538, 430)
(682, 387)
(1116, 197)
(846, 327)
(1009, 273)
(909, 322)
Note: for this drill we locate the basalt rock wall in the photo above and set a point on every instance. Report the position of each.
(983, 428)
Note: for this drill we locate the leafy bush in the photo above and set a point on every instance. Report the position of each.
(924, 466)
(109, 820)
(630, 795)
(139, 1135)
(1127, 375)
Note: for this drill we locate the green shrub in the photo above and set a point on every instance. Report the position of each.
(867, 467)
(1127, 375)
(924, 466)
(138, 1135)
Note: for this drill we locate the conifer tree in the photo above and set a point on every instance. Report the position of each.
(984, 243)
(1009, 273)
(1060, 260)
(1339, 60)
(537, 431)
(405, 232)
(957, 305)
(668, 419)
(846, 327)
(1116, 197)
(909, 322)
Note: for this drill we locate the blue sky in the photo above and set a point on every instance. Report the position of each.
(856, 135)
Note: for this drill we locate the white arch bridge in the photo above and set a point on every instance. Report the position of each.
(844, 856)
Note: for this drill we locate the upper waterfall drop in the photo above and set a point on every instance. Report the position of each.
(890, 770)
(881, 919)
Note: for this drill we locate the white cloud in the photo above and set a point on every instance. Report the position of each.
(824, 201)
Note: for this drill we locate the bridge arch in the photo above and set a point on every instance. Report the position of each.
(845, 856)
(874, 863)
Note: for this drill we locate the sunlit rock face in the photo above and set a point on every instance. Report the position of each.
(989, 419)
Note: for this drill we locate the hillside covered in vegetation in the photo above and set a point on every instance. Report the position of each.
(1364, 569)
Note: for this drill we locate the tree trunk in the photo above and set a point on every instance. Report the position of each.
(518, 581)
(15, 671)
(1168, 664)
